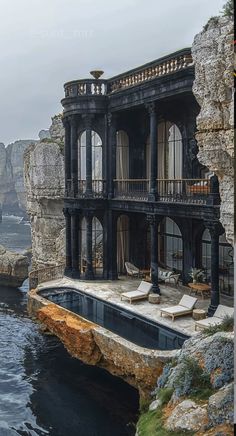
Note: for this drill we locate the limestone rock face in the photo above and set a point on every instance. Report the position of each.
(12, 190)
(95, 345)
(221, 405)
(187, 416)
(13, 268)
(44, 184)
(212, 53)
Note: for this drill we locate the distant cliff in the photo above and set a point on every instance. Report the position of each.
(12, 191)
(44, 185)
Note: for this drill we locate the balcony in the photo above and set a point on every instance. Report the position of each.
(191, 191)
(77, 189)
(186, 191)
(164, 66)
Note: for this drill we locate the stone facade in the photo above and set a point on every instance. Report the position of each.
(212, 53)
(44, 184)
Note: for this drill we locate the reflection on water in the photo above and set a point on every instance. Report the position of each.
(43, 391)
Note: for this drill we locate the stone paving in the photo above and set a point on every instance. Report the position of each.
(111, 290)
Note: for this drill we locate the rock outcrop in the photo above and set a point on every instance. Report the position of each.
(13, 268)
(212, 52)
(195, 391)
(44, 184)
(12, 190)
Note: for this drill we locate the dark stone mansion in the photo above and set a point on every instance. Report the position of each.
(135, 190)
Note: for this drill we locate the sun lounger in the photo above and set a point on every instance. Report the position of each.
(140, 294)
(185, 307)
(220, 313)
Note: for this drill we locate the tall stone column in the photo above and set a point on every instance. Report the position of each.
(111, 171)
(75, 243)
(154, 221)
(153, 152)
(68, 267)
(89, 273)
(215, 230)
(74, 154)
(88, 125)
(67, 154)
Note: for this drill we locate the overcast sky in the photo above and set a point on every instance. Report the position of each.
(44, 43)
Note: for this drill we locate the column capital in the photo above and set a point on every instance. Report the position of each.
(151, 108)
(215, 228)
(111, 118)
(65, 211)
(89, 214)
(153, 220)
(72, 212)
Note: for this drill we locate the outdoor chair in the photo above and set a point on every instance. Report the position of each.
(185, 307)
(132, 270)
(140, 294)
(219, 315)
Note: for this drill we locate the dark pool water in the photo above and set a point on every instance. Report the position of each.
(125, 323)
(44, 391)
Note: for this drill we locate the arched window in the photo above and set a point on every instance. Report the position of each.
(97, 246)
(122, 243)
(170, 152)
(96, 156)
(122, 155)
(226, 262)
(170, 245)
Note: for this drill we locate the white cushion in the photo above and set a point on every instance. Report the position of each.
(188, 301)
(144, 287)
(175, 309)
(209, 321)
(223, 311)
(133, 294)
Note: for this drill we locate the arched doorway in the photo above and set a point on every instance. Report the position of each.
(226, 262)
(170, 152)
(122, 243)
(170, 245)
(122, 155)
(97, 167)
(97, 246)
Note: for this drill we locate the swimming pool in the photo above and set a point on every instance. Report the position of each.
(129, 325)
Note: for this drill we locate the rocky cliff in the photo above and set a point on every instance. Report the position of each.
(44, 184)
(13, 268)
(12, 190)
(194, 394)
(212, 52)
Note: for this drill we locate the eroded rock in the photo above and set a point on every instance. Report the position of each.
(221, 406)
(13, 268)
(187, 416)
(44, 183)
(212, 53)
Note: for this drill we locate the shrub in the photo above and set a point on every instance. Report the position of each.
(164, 395)
(190, 378)
(226, 326)
(228, 9)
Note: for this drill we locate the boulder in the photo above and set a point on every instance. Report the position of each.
(221, 406)
(13, 268)
(154, 405)
(187, 416)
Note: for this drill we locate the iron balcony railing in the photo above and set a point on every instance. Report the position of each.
(168, 190)
(194, 191)
(136, 189)
(78, 189)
